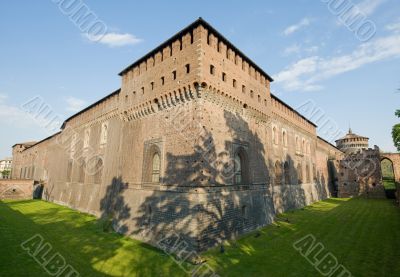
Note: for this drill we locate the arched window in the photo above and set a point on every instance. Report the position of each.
(287, 173)
(308, 180)
(297, 144)
(104, 133)
(278, 173)
(284, 138)
(314, 173)
(304, 147)
(299, 174)
(155, 168)
(86, 138)
(82, 170)
(98, 171)
(240, 167)
(69, 171)
(275, 135)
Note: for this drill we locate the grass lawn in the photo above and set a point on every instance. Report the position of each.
(364, 236)
(389, 183)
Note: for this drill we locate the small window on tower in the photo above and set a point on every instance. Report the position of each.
(212, 70)
(224, 76)
(187, 68)
(174, 74)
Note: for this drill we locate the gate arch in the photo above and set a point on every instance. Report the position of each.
(394, 158)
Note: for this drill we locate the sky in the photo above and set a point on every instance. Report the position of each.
(336, 72)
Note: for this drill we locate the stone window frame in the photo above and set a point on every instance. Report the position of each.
(284, 137)
(86, 138)
(151, 147)
(73, 145)
(286, 173)
(104, 131)
(275, 134)
(241, 147)
(82, 170)
(299, 173)
(297, 144)
(278, 173)
(99, 170)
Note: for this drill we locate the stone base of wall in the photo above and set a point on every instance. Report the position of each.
(200, 217)
(16, 189)
(355, 189)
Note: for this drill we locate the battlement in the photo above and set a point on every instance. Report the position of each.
(105, 107)
(197, 55)
(281, 109)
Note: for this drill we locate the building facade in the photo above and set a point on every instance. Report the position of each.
(5, 168)
(193, 143)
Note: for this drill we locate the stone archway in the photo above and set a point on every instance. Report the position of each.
(390, 171)
(394, 158)
(387, 171)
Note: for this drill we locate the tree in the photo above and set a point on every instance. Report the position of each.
(5, 173)
(396, 132)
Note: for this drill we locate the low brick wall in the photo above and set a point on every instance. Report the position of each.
(16, 189)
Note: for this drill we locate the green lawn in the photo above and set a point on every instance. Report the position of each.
(363, 235)
(389, 183)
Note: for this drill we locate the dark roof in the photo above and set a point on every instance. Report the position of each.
(28, 143)
(46, 139)
(290, 108)
(192, 26)
(91, 106)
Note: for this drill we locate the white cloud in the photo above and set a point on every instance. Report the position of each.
(353, 13)
(293, 49)
(116, 39)
(299, 49)
(12, 115)
(75, 104)
(3, 97)
(368, 7)
(307, 73)
(293, 28)
(312, 49)
(395, 27)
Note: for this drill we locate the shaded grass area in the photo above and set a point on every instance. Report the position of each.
(363, 234)
(79, 239)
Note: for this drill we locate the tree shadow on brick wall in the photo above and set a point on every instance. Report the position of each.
(332, 178)
(202, 205)
(290, 194)
(113, 208)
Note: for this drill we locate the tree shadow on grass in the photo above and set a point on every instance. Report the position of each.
(78, 238)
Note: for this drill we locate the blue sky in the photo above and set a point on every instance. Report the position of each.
(316, 59)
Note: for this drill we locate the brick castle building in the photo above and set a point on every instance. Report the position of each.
(193, 143)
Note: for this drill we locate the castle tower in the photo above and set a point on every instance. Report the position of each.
(352, 143)
(193, 143)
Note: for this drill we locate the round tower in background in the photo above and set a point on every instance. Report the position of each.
(352, 143)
